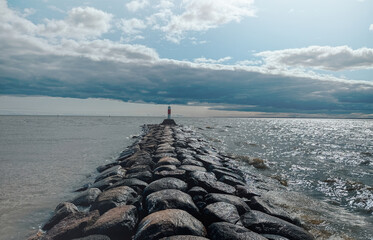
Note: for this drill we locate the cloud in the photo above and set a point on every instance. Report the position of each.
(212, 61)
(81, 22)
(95, 68)
(199, 16)
(136, 5)
(371, 27)
(320, 57)
(131, 28)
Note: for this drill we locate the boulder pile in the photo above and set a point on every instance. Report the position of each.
(170, 185)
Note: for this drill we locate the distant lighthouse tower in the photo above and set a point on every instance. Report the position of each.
(169, 120)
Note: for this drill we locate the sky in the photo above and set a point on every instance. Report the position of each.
(240, 58)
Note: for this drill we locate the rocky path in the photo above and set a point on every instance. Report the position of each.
(170, 185)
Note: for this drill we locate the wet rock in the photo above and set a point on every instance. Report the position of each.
(139, 168)
(192, 168)
(231, 180)
(189, 161)
(93, 237)
(84, 187)
(165, 183)
(168, 223)
(159, 156)
(262, 205)
(116, 170)
(208, 181)
(72, 226)
(87, 198)
(134, 183)
(139, 158)
(208, 160)
(168, 161)
(178, 173)
(106, 182)
(266, 224)
(106, 166)
(221, 212)
(62, 210)
(184, 237)
(117, 223)
(220, 173)
(170, 199)
(165, 168)
(274, 237)
(145, 176)
(126, 153)
(229, 231)
(246, 192)
(197, 191)
(114, 198)
(240, 204)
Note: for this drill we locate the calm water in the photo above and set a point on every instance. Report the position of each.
(43, 159)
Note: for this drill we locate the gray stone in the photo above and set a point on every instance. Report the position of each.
(145, 176)
(114, 198)
(93, 237)
(134, 183)
(184, 237)
(165, 183)
(240, 204)
(71, 226)
(170, 199)
(178, 173)
(221, 212)
(257, 203)
(106, 182)
(117, 223)
(229, 231)
(168, 223)
(62, 210)
(139, 168)
(116, 170)
(192, 168)
(190, 161)
(208, 181)
(168, 161)
(266, 224)
(194, 191)
(87, 198)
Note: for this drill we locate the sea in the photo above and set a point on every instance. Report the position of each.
(323, 167)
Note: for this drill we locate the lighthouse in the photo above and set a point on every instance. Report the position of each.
(168, 120)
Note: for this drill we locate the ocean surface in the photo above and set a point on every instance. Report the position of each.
(326, 166)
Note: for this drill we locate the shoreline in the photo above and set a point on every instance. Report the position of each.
(182, 157)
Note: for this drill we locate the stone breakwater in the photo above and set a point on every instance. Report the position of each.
(170, 185)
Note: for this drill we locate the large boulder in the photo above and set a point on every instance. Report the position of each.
(168, 161)
(178, 173)
(208, 160)
(192, 168)
(229, 231)
(115, 170)
(257, 203)
(221, 212)
(165, 183)
(71, 226)
(87, 198)
(208, 181)
(117, 223)
(145, 176)
(266, 224)
(240, 204)
(106, 182)
(62, 210)
(169, 199)
(114, 198)
(134, 183)
(168, 223)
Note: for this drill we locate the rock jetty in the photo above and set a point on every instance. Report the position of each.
(170, 185)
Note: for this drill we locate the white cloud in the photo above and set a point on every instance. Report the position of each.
(320, 57)
(200, 15)
(131, 26)
(371, 27)
(136, 5)
(212, 61)
(81, 22)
